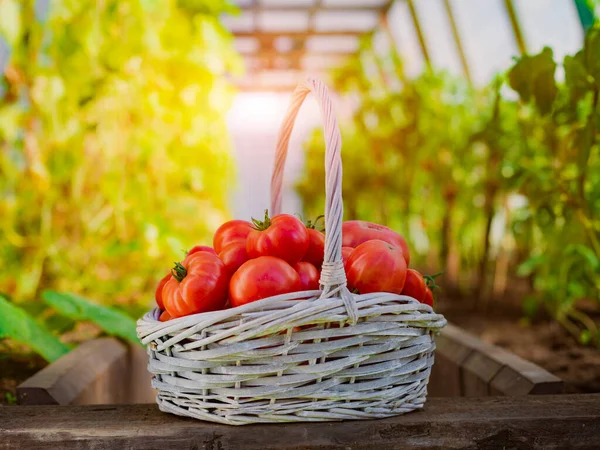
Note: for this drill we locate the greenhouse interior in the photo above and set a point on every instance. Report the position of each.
(462, 138)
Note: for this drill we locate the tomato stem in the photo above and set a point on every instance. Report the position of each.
(262, 225)
(179, 272)
(313, 225)
(430, 282)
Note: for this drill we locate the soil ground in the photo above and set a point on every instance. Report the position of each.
(14, 369)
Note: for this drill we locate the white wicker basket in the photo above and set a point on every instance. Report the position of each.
(354, 357)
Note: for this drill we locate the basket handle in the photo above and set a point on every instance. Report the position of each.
(333, 278)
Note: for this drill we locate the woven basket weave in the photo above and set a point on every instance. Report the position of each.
(305, 356)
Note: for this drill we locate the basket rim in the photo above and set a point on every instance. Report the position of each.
(308, 296)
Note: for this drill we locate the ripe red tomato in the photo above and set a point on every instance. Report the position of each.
(283, 236)
(428, 300)
(201, 248)
(158, 294)
(234, 255)
(316, 248)
(199, 284)
(355, 232)
(165, 316)
(376, 266)
(234, 230)
(414, 285)
(309, 275)
(262, 277)
(346, 252)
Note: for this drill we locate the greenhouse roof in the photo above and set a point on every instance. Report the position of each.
(282, 40)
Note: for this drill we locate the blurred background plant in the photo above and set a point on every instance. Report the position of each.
(484, 185)
(108, 112)
(114, 158)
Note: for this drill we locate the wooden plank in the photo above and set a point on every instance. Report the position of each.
(140, 380)
(100, 371)
(477, 373)
(485, 369)
(522, 377)
(529, 422)
(446, 378)
(80, 377)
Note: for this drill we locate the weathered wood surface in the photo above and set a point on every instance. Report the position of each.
(446, 378)
(467, 366)
(538, 422)
(101, 371)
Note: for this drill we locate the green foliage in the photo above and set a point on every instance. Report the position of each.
(111, 320)
(488, 187)
(533, 78)
(114, 151)
(11, 399)
(15, 323)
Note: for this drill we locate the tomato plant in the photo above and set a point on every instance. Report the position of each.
(260, 278)
(107, 159)
(503, 193)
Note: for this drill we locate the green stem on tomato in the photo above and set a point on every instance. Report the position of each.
(313, 225)
(179, 272)
(262, 225)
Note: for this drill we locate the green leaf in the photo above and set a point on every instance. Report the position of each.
(11, 399)
(533, 77)
(111, 320)
(586, 253)
(58, 323)
(545, 91)
(18, 325)
(518, 78)
(528, 266)
(530, 306)
(576, 77)
(585, 337)
(591, 50)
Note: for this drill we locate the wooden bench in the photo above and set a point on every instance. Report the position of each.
(536, 422)
(105, 371)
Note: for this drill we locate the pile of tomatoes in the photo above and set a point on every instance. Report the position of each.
(253, 260)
